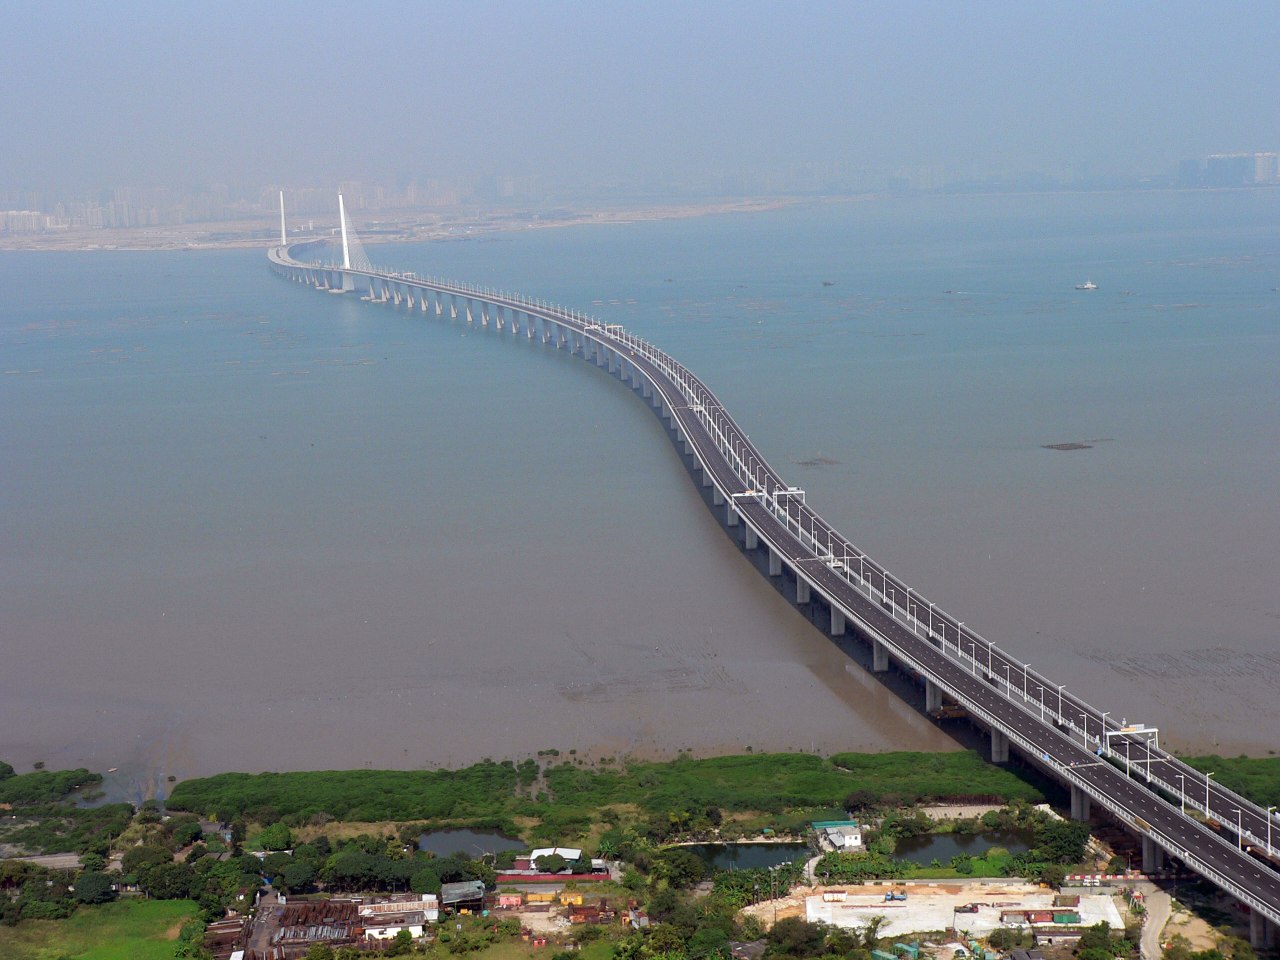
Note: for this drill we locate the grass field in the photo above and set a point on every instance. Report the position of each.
(128, 930)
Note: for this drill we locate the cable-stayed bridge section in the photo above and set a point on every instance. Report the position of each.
(1176, 810)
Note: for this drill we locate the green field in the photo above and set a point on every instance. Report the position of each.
(127, 930)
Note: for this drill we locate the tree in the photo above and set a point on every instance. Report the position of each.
(425, 880)
(6, 771)
(551, 863)
(401, 944)
(297, 876)
(94, 887)
(276, 837)
(93, 861)
(1052, 875)
(860, 800)
(793, 937)
(1062, 841)
(679, 867)
(137, 859)
(186, 833)
(168, 881)
(871, 932)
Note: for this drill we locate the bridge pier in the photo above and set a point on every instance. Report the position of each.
(879, 657)
(775, 563)
(706, 478)
(717, 498)
(999, 747)
(1262, 932)
(837, 622)
(1257, 930)
(1080, 806)
(1152, 856)
(932, 696)
(803, 594)
(750, 539)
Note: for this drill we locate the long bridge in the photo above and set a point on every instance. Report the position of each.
(1176, 810)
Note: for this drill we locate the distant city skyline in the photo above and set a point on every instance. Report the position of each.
(124, 207)
(516, 100)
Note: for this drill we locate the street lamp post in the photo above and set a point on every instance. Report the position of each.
(1084, 729)
(1269, 811)
(1060, 719)
(1182, 791)
(1206, 792)
(1240, 828)
(1025, 667)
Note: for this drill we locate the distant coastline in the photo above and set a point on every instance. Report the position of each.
(388, 227)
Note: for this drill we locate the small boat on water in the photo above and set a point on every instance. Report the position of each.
(1087, 285)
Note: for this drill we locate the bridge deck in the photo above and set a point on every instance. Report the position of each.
(991, 684)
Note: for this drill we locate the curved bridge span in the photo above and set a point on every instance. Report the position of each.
(1120, 768)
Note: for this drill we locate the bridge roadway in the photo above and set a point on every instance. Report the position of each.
(994, 687)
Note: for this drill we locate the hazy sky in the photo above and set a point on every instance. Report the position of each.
(262, 92)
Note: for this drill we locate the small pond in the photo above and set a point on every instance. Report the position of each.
(749, 856)
(944, 846)
(444, 842)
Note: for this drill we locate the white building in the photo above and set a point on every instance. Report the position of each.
(382, 921)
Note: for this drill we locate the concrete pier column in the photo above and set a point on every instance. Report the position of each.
(837, 622)
(932, 696)
(706, 478)
(775, 564)
(731, 518)
(717, 498)
(484, 313)
(999, 747)
(803, 593)
(646, 389)
(879, 657)
(1152, 856)
(1257, 930)
(1079, 804)
(439, 304)
(500, 316)
(530, 325)
(470, 318)
(750, 539)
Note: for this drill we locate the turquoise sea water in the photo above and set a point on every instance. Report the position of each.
(252, 526)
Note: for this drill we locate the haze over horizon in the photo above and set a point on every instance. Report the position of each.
(145, 94)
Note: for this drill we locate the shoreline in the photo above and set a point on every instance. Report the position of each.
(405, 226)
